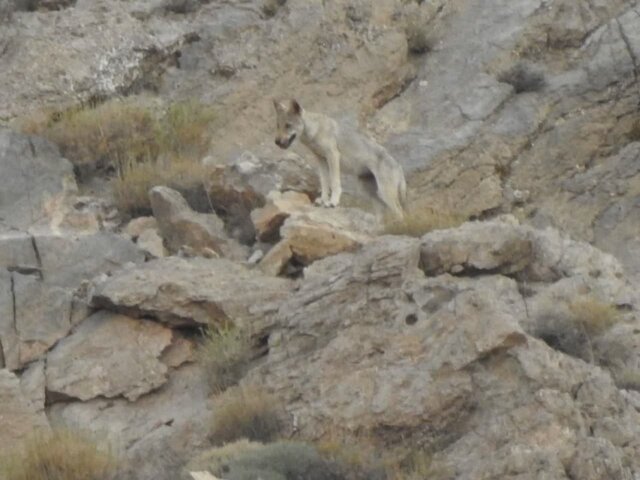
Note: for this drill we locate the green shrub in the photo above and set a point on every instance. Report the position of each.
(226, 354)
(62, 455)
(245, 412)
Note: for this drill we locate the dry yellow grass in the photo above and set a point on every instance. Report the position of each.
(62, 455)
(245, 412)
(131, 187)
(225, 355)
(593, 315)
(140, 146)
(421, 220)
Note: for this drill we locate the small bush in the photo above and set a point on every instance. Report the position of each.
(418, 39)
(225, 355)
(523, 77)
(573, 334)
(421, 220)
(61, 455)
(270, 7)
(594, 316)
(628, 378)
(245, 412)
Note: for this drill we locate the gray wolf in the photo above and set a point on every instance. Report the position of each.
(338, 148)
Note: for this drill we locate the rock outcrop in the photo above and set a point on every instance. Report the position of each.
(443, 342)
(192, 292)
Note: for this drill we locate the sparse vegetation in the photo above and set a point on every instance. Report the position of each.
(62, 455)
(419, 465)
(270, 7)
(594, 316)
(421, 220)
(225, 354)
(628, 378)
(523, 77)
(138, 145)
(131, 187)
(245, 412)
(573, 334)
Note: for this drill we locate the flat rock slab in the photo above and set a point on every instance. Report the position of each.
(192, 292)
(109, 355)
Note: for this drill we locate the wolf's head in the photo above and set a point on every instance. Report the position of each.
(289, 122)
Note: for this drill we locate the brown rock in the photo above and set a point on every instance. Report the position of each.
(268, 219)
(109, 355)
(181, 227)
(314, 233)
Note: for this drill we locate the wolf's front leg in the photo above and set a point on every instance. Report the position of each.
(334, 177)
(323, 173)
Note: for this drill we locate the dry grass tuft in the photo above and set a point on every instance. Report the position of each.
(421, 220)
(245, 412)
(138, 145)
(225, 355)
(131, 187)
(101, 138)
(62, 455)
(628, 378)
(594, 316)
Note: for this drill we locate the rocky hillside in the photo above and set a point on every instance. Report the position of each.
(156, 248)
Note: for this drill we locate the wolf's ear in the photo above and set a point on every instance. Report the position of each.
(295, 107)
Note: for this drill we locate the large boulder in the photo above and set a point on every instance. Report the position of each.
(39, 282)
(311, 233)
(445, 346)
(109, 355)
(167, 425)
(193, 292)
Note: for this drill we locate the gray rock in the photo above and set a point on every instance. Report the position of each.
(167, 425)
(43, 316)
(109, 355)
(17, 252)
(68, 259)
(35, 180)
(19, 418)
(193, 292)
(369, 342)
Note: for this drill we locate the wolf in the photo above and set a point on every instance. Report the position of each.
(338, 148)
